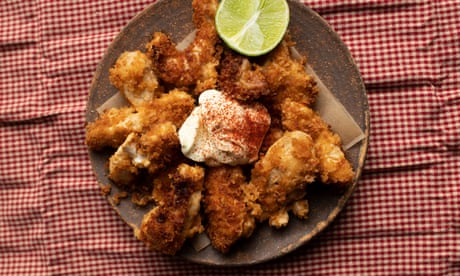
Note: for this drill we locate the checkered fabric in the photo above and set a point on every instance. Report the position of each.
(404, 218)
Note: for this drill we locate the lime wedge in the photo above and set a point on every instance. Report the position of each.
(252, 27)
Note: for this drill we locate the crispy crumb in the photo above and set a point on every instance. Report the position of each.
(105, 189)
(141, 199)
(116, 198)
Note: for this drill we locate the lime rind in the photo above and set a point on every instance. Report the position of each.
(252, 27)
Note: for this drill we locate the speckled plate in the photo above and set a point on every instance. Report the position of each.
(331, 61)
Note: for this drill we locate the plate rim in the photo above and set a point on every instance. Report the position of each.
(363, 145)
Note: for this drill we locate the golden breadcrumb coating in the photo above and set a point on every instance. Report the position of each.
(153, 150)
(297, 116)
(176, 216)
(240, 78)
(160, 145)
(122, 170)
(228, 217)
(132, 74)
(112, 127)
(174, 107)
(333, 165)
(287, 77)
(281, 176)
(273, 134)
(300, 208)
(195, 65)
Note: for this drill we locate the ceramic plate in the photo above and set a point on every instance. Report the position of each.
(331, 61)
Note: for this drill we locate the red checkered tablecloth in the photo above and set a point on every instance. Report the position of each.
(403, 219)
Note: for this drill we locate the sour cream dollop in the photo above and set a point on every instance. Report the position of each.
(221, 130)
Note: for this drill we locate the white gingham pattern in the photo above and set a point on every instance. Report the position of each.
(404, 218)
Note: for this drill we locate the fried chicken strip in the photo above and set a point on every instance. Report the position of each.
(153, 150)
(176, 216)
(160, 145)
(122, 169)
(196, 64)
(240, 78)
(280, 177)
(287, 77)
(154, 144)
(132, 74)
(229, 218)
(174, 107)
(112, 127)
(333, 166)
